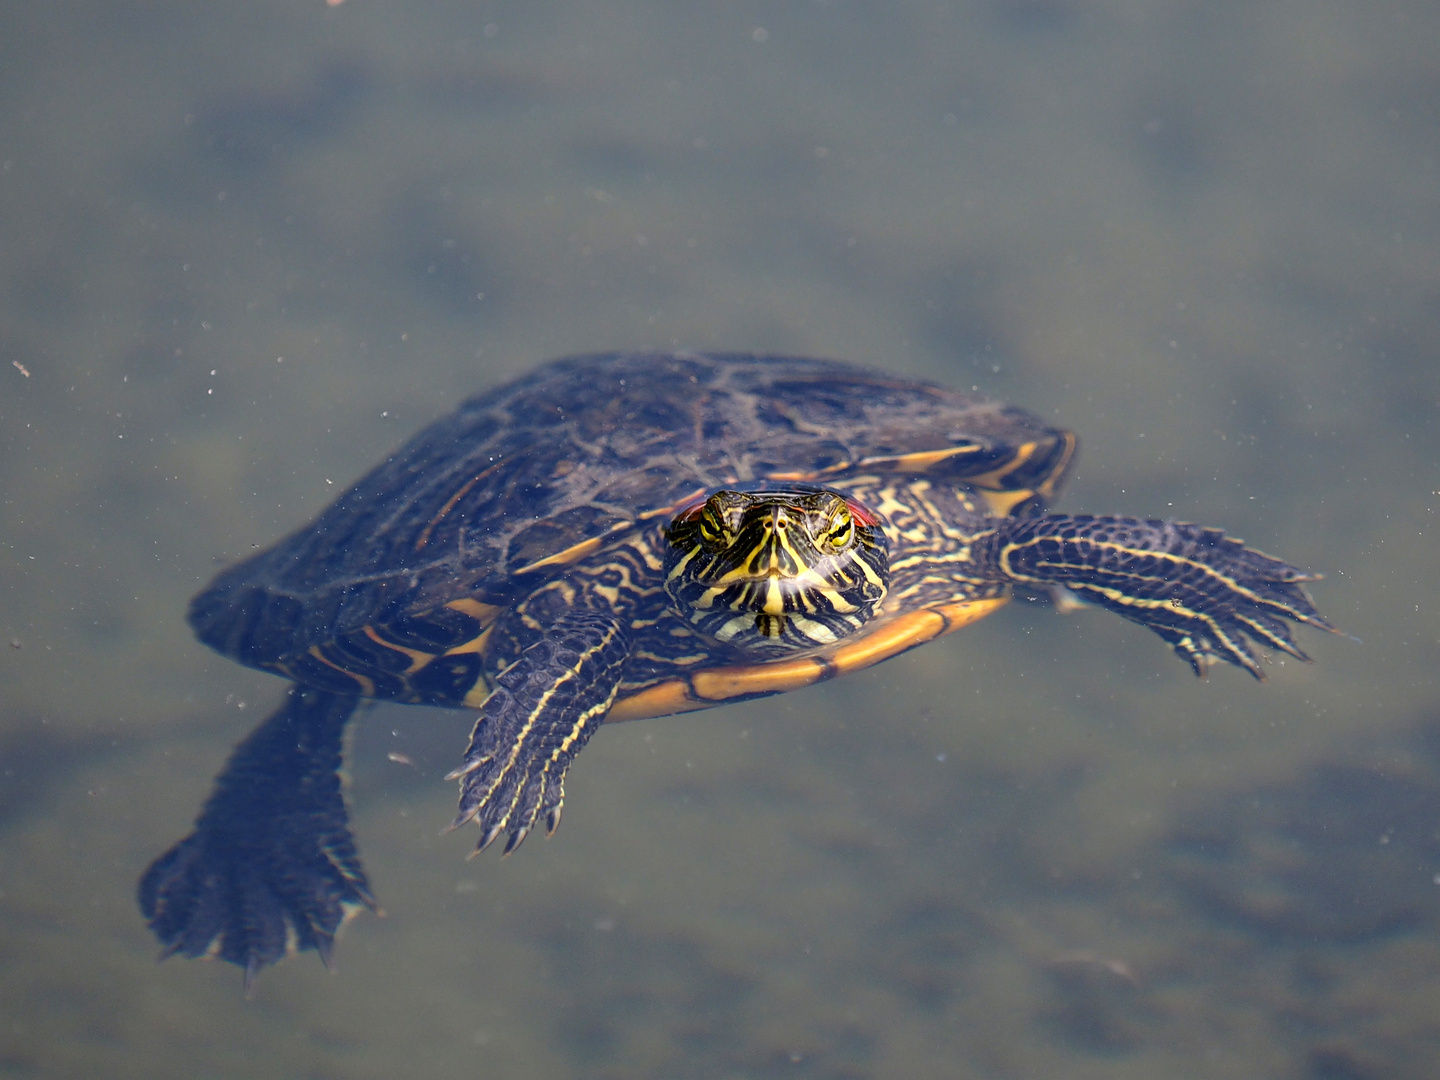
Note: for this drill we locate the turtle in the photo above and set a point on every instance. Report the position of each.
(628, 535)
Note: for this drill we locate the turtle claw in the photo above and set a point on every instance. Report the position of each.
(252, 971)
(464, 770)
(509, 805)
(460, 818)
(488, 837)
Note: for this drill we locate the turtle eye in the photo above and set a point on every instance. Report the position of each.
(713, 533)
(838, 532)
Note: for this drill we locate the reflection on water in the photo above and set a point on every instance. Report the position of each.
(251, 248)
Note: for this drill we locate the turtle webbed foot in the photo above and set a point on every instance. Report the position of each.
(1205, 593)
(271, 867)
(217, 895)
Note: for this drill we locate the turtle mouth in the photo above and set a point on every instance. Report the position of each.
(776, 572)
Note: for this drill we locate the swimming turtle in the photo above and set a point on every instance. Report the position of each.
(631, 535)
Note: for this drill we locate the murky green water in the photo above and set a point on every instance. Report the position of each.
(249, 247)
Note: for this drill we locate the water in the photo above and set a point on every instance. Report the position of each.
(250, 247)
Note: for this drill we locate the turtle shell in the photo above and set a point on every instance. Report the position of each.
(521, 481)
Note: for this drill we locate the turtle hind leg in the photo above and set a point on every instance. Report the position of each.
(1205, 593)
(271, 867)
(543, 710)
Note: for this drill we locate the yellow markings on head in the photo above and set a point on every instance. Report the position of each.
(715, 686)
(774, 570)
(774, 599)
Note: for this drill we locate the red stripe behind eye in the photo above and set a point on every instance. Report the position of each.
(862, 513)
(690, 511)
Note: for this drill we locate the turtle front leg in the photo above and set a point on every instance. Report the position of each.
(271, 867)
(1202, 591)
(544, 708)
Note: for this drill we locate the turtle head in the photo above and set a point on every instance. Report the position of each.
(776, 572)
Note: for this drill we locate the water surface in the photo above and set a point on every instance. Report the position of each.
(249, 248)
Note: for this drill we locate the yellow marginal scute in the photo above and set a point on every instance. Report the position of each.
(418, 659)
(663, 699)
(920, 461)
(484, 613)
(909, 630)
(1001, 503)
(998, 478)
(364, 682)
(716, 685)
(995, 478)
(574, 553)
(964, 612)
(721, 684)
(1058, 471)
